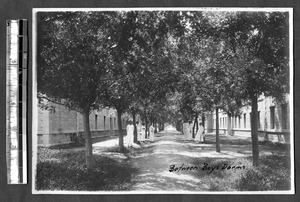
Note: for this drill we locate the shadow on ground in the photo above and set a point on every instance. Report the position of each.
(171, 163)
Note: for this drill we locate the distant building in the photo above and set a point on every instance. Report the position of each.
(273, 121)
(64, 126)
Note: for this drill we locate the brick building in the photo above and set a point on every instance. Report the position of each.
(63, 125)
(273, 121)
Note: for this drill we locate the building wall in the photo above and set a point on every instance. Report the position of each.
(62, 120)
(62, 125)
(274, 120)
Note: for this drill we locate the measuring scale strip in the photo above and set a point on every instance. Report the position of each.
(16, 60)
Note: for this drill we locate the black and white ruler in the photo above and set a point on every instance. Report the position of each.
(16, 100)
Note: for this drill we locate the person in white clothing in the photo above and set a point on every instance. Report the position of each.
(129, 130)
(200, 134)
(151, 136)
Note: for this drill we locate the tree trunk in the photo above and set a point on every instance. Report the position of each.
(195, 124)
(146, 125)
(217, 131)
(155, 126)
(88, 140)
(193, 130)
(229, 129)
(178, 126)
(254, 131)
(135, 128)
(203, 121)
(121, 138)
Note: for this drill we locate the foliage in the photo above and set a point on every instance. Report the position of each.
(207, 70)
(272, 174)
(74, 54)
(259, 41)
(107, 175)
(142, 65)
(226, 181)
(165, 65)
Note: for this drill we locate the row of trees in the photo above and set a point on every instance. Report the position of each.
(89, 60)
(164, 65)
(242, 56)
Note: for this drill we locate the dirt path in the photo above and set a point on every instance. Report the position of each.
(154, 160)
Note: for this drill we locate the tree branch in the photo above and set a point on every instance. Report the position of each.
(39, 96)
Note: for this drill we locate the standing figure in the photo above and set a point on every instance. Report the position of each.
(129, 130)
(151, 136)
(200, 134)
(143, 132)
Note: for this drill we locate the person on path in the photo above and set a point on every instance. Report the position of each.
(143, 132)
(200, 134)
(129, 137)
(151, 135)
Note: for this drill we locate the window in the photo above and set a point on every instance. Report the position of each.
(96, 120)
(272, 117)
(115, 123)
(104, 120)
(244, 120)
(239, 121)
(284, 116)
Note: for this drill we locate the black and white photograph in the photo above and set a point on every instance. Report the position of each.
(162, 101)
